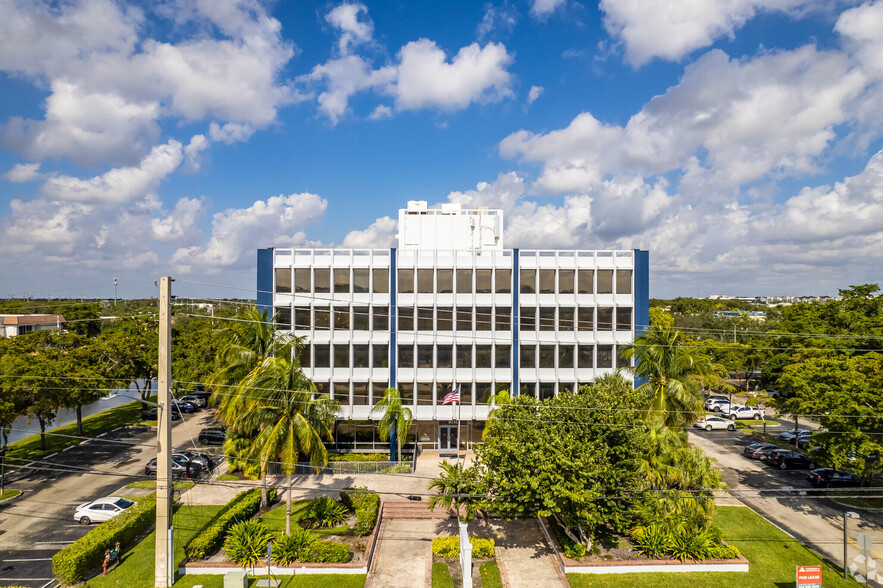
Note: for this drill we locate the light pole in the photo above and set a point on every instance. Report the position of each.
(846, 515)
(115, 282)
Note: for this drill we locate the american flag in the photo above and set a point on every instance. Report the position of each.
(452, 396)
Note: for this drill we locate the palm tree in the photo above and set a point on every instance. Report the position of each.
(497, 401)
(672, 369)
(395, 422)
(456, 487)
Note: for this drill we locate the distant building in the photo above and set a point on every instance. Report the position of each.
(758, 315)
(19, 324)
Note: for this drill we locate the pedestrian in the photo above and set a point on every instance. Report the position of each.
(106, 562)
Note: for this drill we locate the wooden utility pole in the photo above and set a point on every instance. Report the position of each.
(164, 574)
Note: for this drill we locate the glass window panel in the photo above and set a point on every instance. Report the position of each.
(464, 356)
(445, 357)
(565, 281)
(406, 281)
(623, 281)
(424, 281)
(464, 318)
(528, 318)
(360, 356)
(547, 356)
(528, 356)
(361, 318)
(322, 356)
(283, 318)
(547, 318)
(483, 356)
(424, 319)
(380, 358)
(406, 356)
(381, 280)
(381, 318)
(342, 280)
(565, 356)
(528, 389)
(322, 387)
(424, 356)
(501, 356)
(378, 389)
(444, 319)
(621, 362)
(342, 318)
(605, 319)
(567, 387)
(445, 279)
(528, 280)
(360, 280)
(303, 355)
(341, 356)
(585, 318)
(547, 281)
(483, 281)
(483, 318)
(283, 280)
(302, 280)
(605, 281)
(342, 392)
(605, 356)
(425, 392)
(623, 319)
(322, 318)
(565, 319)
(547, 390)
(322, 279)
(483, 393)
(464, 281)
(585, 356)
(302, 317)
(406, 391)
(503, 281)
(585, 278)
(406, 318)
(360, 394)
(503, 318)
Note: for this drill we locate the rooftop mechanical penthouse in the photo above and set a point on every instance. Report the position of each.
(450, 306)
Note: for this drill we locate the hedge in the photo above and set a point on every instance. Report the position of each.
(449, 547)
(365, 506)
(325, 552)
(243, 506)
(73, 563)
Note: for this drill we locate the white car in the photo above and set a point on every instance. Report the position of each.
(746, 412)
(101, 510)
(718, 406)
(713, 422)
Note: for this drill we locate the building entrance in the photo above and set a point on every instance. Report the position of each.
(447, 437)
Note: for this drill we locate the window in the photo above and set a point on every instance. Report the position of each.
(341, 356)
(503, 319)
(623, 281)
(406, 318)
(406, 390)
(424, 281)
(483, 392)
(304, 356)
(283, 280)
(302, 280)
(565, 281)
(501, 356)
(483, 318)
(322, 356)
(565, 319)
(445, 281)
(605, 319)
(424, 319)
(360, 280)
(445, 356)
(605, 356)
(585, 278)
(445, 319)
(565, 356)
(361, 318)
(406, 281)
(406, 356)
(342, 392)
(605, 281)
(381, 318)
(547, 318)
(503, 281)
(283, 318)
(342, 280)
(424, 356)
(322, 279)
(483, 356)
(342, 318)
(323, 387)
(378, 389)
(547, 390)
(621, 362)
(585, 318)
(623, 319)
(547, 356)
(568, 387)
(528, 356)
(360, 394)
(464, 281)
(547, 281)
(585, 356)
(528, 321)
(381, 280)
(425, 392)
(464, 356)
(483, 281)
(527, 389)
(302, 317)
(464, 318)
(528, 280)
(360, 356)
(322, 319)
(380, 357)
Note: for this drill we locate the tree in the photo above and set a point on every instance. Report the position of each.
(660, 318)
(457, 487)
(395, 422)
(128, 350)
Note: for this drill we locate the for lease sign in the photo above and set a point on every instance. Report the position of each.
(809, 576)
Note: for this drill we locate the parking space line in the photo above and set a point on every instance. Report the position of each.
(30, 559)
(51, 455)
(68, 448)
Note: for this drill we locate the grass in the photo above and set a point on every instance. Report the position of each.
(275, 519)
(772, 554)
(228, 478)
(309, 581)
(7, 494)
(749, 423)
(490, 575)
(441, 575)
(859, 502)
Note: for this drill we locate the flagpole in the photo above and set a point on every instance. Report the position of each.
(459, 408)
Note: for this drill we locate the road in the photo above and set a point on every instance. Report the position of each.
(814, 520)
(38, 523)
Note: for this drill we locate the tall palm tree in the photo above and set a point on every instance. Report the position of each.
(395, 422)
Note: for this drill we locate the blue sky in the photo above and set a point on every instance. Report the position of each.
(738, 140)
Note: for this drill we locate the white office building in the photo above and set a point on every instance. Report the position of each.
(450, 306)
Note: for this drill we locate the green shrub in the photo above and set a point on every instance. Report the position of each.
(401, 468)
(288, 548)
(723, 552)
(325, 513)
(652, 540)
(574, 550)
(690, 544)
(449, 547)
(325, 552)
(73, 563)
(243, 506)
(358, 457)
(365, 506)
(246, 542)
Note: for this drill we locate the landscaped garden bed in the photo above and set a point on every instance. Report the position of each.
(446, 570)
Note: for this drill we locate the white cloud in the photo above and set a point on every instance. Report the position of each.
(535, 92)
(381, 112)
(353, 25)
(343, 78)
(230, 132)
(193, 153)
(179, 226)
(23, 172)
(543, 8)
(379, 235)
(501, 18)
(504, 193)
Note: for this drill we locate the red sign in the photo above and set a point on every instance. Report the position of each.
(809, 576)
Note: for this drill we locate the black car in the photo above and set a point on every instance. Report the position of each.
(212, 436)
(196, 401)
(151, 414)
(187, 464)
(757, 450)
(785, 458)
(831, 478)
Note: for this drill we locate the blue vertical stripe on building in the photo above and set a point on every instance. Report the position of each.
(393, 317)
(642, 296)
(264, 299)
(516, 315)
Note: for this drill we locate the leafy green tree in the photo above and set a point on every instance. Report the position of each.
(660, 318)
(457, 487)
(195, 348)
(395, 421)
(128, 351)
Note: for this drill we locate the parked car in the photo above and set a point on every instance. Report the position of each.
(197, 401)
(203, 460)
(151, 414)
(713, 422)
(721, 406)
(757, 450)
(786, 458)
(179, 467)
(831, 478)
(712, 397)
(187, 464)
(101, 510)
(788, 436)
(746, 412)
(181, 405)
(212, 436)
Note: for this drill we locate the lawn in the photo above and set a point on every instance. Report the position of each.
(441, 575)
(275, 519)
(7, 494)
(772, 554)
(490, 575)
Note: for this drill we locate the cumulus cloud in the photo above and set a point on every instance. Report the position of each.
(379, 235)
(23, 172)
(497, 19)
(230, 132)
(353, 25)
(543, 8)
(381, 112)
(534, 93)
(343, 78)
(179, 226)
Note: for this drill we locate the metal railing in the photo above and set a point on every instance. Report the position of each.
(354, 467)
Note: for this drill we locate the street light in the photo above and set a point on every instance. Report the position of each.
(846, 515)
(115, 282)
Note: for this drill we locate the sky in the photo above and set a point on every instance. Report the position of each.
(739, 141)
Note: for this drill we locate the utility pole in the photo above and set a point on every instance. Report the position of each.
(164, 573)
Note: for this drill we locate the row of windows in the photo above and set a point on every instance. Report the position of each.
(448, 281)
(480, 318)
(460, 356)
